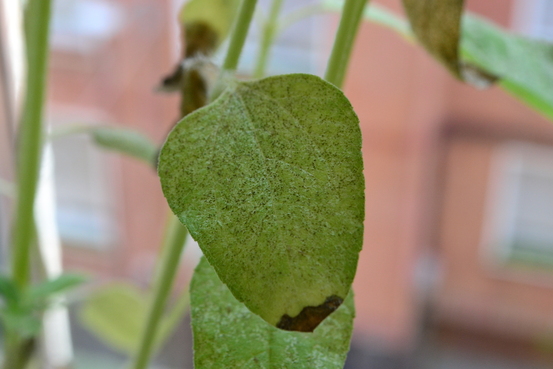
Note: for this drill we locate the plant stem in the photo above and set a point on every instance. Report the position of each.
(173, 318)
(30, 135)
(37, 19)
(176, 233)
(343, 44)
(237, 40)
(173, 244)
(269, 32)
(239, 33)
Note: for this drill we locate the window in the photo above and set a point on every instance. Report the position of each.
(295, 50)
(520, 211)
(84, 25)
(534, 18)
(85, 192)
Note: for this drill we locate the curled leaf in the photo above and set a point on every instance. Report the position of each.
(437, 25)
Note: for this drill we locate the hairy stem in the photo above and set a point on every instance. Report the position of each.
(270, 29)
(173, 244)
(343, 43)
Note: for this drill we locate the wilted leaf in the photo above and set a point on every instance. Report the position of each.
(116, 314)
(437, 25)
(228, 335)
(125, 141)
(207, 23)
(269, 180)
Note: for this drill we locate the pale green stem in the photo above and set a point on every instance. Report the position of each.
(30, 135)
(172, 247)
(343, 43)
(173, 318)
(269, 32)
(29, 148)
(239, 33)
(237, 40)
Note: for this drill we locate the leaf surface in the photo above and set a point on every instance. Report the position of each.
(228, 335)
(269, 181)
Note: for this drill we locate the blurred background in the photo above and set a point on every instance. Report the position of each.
(457, 266)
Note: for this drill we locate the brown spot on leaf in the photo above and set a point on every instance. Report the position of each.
(311, 316)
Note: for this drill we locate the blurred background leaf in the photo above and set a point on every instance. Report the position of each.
(115, 314)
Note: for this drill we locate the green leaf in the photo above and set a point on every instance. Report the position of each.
(269, 180)
(26, 323)
(207, 24)
(9, 291)
(496, 52)
(228, 335)
(524, 66)
(46, 289)
(125, 141)
(116, 315)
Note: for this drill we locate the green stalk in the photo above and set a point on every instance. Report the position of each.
(239, 33)
(173, 244)
(270, 29)
(37, 19)
(343, 44)
(237, 40)
(30, 135)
